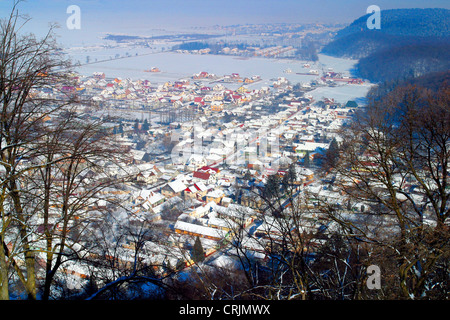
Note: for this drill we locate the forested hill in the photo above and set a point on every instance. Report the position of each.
(405, 61)
(433, 81)
(410, 43)
(399, 26)
(405, 22)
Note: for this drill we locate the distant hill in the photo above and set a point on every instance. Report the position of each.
(410, 43)
(405, 22)
(399, 26)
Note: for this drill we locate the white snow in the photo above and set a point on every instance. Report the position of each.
(176, 66)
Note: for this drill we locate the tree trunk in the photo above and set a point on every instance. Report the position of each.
(4, 290)
(30, 283)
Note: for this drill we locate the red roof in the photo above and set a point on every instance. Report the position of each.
(206, 168)
(201, 175)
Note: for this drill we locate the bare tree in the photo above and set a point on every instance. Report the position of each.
(54, 161)
(27, 64)
(123, 263)
(395, 159)
(77, 156)
(276, 252)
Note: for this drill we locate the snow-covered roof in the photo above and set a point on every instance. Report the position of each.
(177, 186)
(155, 198)
(201, 230)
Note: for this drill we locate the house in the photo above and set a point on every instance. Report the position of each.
(206, 174)
(172, 189)
(219, 87)
(209, 169)
(99, 75)
(149, 177)
(195, 162)
(138, 156)
(199, 101)
(222, 224)
(156, 199)
(213, 159)
(202, 189)
(201, 75)
(226, 201)
(191, 192)
(248, 199)
(176, 98)
(195, 230)
(203, 210)
(236, 98)
(216, 105)
(307, 173)
(235, 212)
(242, 89)
(153, 200)
(203, 176)
(148, 199)
(215, 196)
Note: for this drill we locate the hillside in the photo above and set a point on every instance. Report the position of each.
(405, 22)
(433, 81)
(405, 61)
(400, 26)
(410, 43)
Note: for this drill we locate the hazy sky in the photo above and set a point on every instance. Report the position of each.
(139, 16)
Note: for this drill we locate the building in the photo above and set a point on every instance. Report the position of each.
(217, 105)
(172, 189)
(195, 162)
(154, 200)
(195, 230)
(205, 176)
(215, 196)
(147, 177)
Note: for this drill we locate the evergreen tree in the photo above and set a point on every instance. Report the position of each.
(145, 125)
(136, 126)
(307, 160)
(332, 155)
(272, 187)
(198, 253)
(290, 177)
(247, 176)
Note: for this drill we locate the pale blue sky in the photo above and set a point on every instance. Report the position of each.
(136, 17)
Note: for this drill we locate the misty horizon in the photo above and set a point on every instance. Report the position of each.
(150, 17)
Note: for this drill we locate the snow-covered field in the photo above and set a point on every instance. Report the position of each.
(176, 66)
(343, 93)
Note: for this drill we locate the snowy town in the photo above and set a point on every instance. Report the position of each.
(226, 151)
(188, 190)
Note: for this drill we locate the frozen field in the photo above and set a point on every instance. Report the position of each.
(343, 93)
(175, 66)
